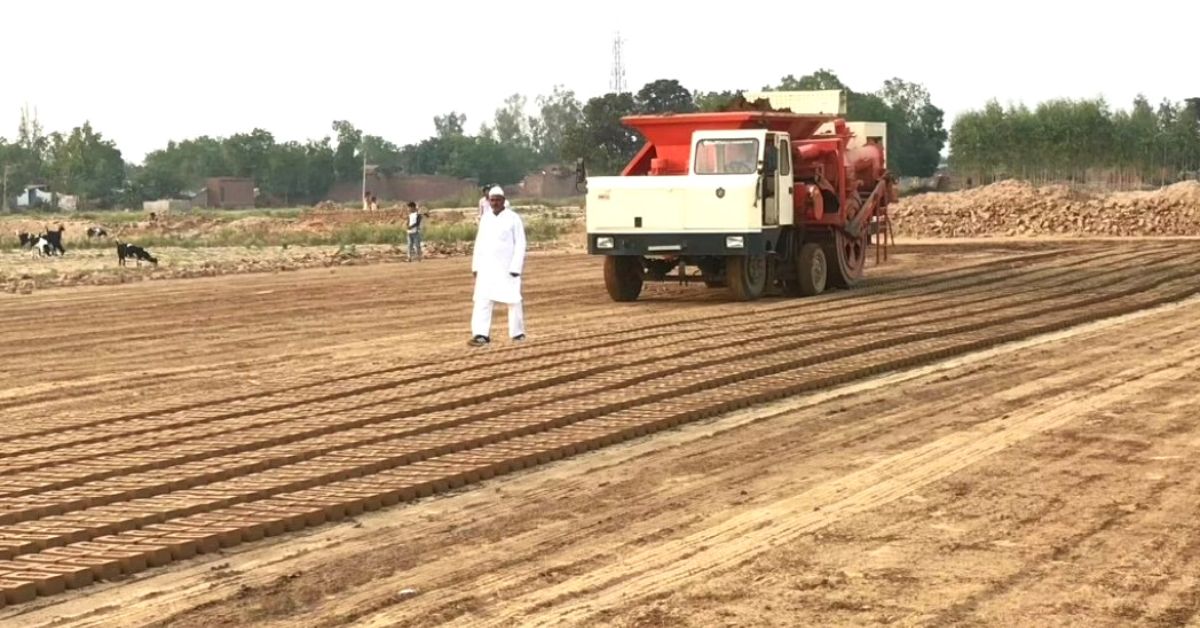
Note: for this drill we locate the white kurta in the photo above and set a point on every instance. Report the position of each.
(499, 251)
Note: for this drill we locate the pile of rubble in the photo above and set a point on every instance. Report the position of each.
(1014, 208)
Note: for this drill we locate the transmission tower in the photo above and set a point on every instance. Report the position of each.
(617, 83)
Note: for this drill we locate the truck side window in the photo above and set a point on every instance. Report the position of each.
(785, 158)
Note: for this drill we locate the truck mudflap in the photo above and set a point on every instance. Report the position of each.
(682, 244)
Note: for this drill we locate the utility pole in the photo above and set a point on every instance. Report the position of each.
(364, 179)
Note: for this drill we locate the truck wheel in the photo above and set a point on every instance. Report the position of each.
(623, 277)
(811, 269)
(846, 257)
(747, 276)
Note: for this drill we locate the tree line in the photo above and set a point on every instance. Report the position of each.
(1078, 140)
(561, 129)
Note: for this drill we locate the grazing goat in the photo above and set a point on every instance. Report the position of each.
(27, 239)
(136, 252)
(97, 232)
(43, 247)
(55, 239)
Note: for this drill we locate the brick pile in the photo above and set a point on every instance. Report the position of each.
(1016, 208)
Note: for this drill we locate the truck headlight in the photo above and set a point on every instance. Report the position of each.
(604, 243)
(735, 242)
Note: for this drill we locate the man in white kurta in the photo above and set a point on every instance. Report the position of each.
(497, 263)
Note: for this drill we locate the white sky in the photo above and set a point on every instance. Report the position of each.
(146, 72)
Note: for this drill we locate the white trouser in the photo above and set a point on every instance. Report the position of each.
(481, 319)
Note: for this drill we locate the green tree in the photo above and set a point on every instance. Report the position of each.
(248, 154)
(602, 140)
(382, 153)
(820, 80)
(560, 114)
(714, 101)
(319, 173)
(511, 126)
(26, 156)
(916, 128)
(347, 162)
(85, 164)
(922, 131)
(450, 125)
(283, 179)
(664, 96)
(1064, 139)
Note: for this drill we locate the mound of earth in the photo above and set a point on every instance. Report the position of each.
(1015, 208)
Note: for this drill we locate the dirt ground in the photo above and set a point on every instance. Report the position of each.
(1030, 459)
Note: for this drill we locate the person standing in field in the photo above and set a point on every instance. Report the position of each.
(416, 229)
(497, 263)
(484, 205)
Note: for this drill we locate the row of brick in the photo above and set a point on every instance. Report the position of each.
(388, 375)
(115, 555)
(248, 529)
(121, 488)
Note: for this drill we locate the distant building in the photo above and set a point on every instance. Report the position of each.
(36, 195)
(550, 182)
(166, 206)
(225, 193)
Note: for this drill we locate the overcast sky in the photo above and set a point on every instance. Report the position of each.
(146, 72)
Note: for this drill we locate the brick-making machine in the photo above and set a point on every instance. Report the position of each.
(758, 200)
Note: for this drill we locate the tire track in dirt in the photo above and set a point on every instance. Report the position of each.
(663, 568)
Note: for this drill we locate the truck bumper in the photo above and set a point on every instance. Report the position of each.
(679, 244)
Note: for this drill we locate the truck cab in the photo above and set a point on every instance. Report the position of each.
(730, 200)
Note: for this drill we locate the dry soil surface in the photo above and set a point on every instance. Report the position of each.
(980, 435)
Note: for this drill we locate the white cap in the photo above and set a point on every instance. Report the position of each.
(496, 191)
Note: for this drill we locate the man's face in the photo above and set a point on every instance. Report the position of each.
(497, 203)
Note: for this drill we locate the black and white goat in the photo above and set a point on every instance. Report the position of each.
(139, 254)
(27, 239)
(55, 239)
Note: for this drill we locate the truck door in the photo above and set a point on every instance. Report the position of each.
(784, 181)
(770, 183)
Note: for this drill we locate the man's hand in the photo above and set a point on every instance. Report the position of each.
(515, 274)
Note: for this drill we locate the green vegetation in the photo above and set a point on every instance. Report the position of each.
(1064, 139)
(505, 148)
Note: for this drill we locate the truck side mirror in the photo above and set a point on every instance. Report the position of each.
(580, 175)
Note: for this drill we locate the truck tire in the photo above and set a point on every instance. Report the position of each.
(623, 277)
(812, 270)
(846, 257)
(746, 276)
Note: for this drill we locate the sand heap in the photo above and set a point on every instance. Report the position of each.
(1014, 208)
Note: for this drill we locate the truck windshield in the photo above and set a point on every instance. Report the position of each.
(727, 156)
